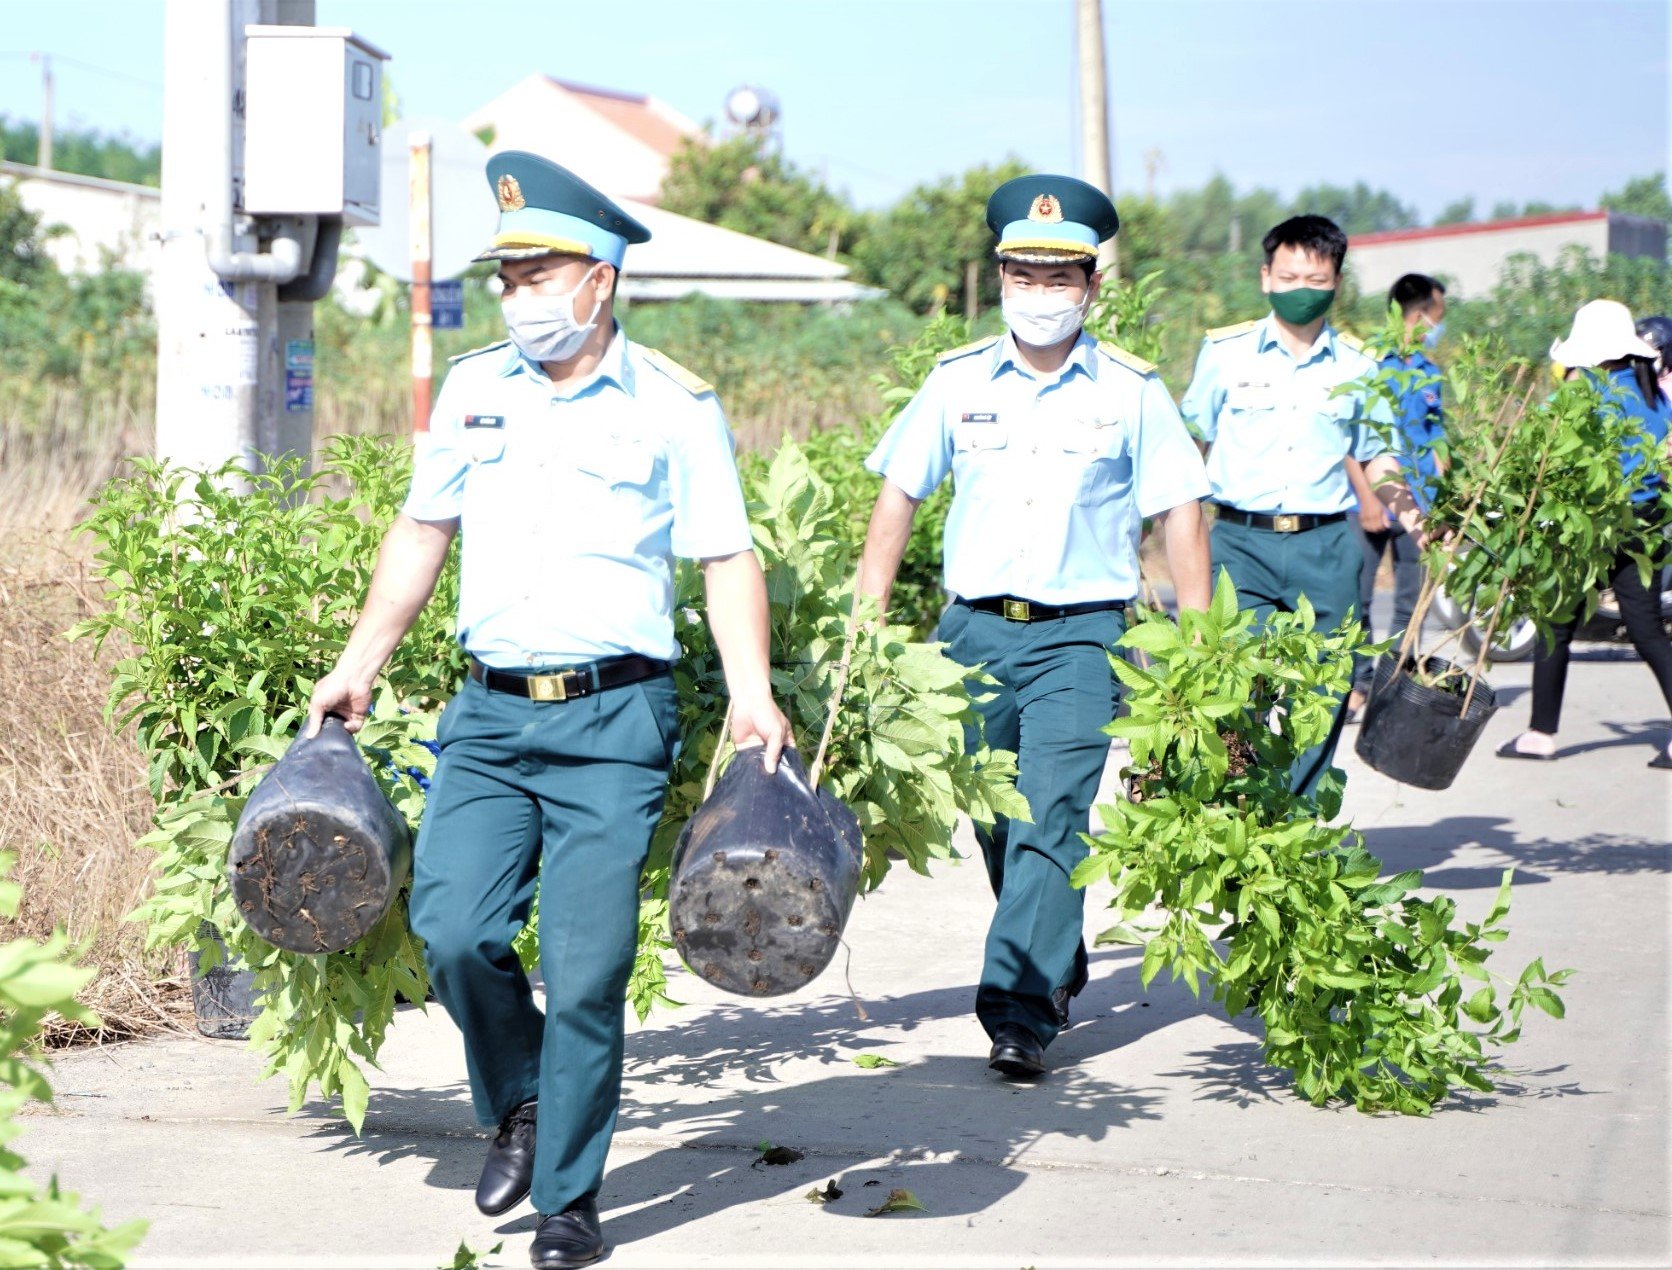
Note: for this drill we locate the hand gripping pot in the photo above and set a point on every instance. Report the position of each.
(319, 853)
(764, 875)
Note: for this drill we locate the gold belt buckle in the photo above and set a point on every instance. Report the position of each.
(550, 687)
(1018, 611)
(1286, 524)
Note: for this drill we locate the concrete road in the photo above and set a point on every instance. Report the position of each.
(1158, 1137)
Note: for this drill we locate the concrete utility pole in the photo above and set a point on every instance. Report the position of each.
(43, 143)
(1094, 113)
(234, 295)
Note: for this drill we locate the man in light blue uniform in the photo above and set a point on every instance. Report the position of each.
(577, 466)
(1263, 398)
(1058, 448)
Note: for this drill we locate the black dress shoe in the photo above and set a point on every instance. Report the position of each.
(508, 1171)
(569, 1238)
(1017, 1052)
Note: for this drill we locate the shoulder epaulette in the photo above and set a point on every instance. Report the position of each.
(1351, 341)
(953, 354)
(1114, 352)
(486, 348)
(1218, 333)
(689, 380)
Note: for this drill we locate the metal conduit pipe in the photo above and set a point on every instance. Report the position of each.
(285, 257)
(315, 282)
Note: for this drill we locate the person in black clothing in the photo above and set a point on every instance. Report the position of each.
(1605, 346)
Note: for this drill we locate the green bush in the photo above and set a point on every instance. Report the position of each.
(235, 602)
(1359, 984)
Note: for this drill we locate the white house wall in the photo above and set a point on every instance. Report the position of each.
(96, 216)
(1471, 263)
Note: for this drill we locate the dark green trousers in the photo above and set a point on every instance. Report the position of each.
(1054, 696)
(1271, 572)
(569, 793)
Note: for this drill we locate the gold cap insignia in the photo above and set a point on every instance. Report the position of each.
(1046, 208)
(511, 196)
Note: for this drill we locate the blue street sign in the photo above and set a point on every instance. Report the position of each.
(447, 305)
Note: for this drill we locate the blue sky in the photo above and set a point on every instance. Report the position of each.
(1500, 99)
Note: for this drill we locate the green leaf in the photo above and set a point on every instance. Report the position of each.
(869, 1061)
(898, 1201)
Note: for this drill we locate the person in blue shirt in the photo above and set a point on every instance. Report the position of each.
(1058, 447)
(1280, 439)
(1605, 346)
(575, 466)
(1420, 420)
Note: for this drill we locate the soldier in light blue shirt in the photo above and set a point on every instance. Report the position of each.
(1280, 441)
(576, 466)
(1058, 448)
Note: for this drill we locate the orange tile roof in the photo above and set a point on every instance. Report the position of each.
(632, 113)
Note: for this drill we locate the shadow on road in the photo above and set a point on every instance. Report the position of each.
(1535, 860)
(713, 1084)
(1233, 1073)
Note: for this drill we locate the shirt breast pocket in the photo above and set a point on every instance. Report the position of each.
(618, 463)
(1101, 461)
(978, 456)
(484, 445)
(1253, 403)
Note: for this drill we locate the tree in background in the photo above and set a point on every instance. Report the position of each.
(1358, 210)
(1458, 212)
(86, 153)
(739, 184)
(23, 259)
(922, 247)
(1642, 196)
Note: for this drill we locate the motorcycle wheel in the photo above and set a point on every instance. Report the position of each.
(1516, 644)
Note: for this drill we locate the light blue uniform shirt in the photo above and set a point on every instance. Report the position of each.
(1279, 437)
(1051, 474)
(573, 502)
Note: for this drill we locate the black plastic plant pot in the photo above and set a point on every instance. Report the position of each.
(1417, 733)
(764, 876)
(319, 853)
(223, 998)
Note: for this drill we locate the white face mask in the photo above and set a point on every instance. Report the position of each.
(1042, 319)
(544, 326)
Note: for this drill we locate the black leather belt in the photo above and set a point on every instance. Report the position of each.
(569, 683)
(1294, 523)
(1014, 610)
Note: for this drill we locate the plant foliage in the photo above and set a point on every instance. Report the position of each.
(233, 593)
(42, 1226)
(1365, 990)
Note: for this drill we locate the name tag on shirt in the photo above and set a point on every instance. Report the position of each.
(484, 421)
(986, 416)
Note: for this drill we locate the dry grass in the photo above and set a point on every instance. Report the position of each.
(73, 801)
(72, 794)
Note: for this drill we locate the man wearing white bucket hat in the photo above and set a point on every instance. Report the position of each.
(1604, 344)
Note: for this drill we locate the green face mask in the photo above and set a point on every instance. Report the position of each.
(1301, 305)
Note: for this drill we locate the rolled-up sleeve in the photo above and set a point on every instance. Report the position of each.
(439, 463)
(709, 517)
(916, 451)
(1203, 399)
(1167, 468)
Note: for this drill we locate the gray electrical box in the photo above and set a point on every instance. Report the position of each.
(313, 123)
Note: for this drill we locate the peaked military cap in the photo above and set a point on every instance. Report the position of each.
(544, 208)
(1045, 218)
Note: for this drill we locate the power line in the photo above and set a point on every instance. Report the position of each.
(59, 59)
